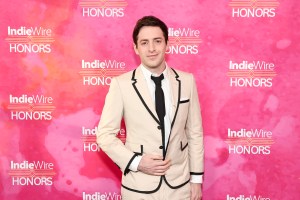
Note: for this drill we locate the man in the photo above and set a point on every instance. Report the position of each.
(162, 158)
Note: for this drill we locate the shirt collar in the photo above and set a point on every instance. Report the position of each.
(148, 74)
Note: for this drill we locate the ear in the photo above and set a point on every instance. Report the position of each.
(135, 49)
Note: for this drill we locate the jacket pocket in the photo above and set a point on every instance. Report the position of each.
(141, 150)
(136, 148)
(182, 146)
(184, 101)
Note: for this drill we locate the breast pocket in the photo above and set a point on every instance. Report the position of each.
(184, 101)
(183, 109)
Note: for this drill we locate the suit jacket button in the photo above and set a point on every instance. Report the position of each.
(159, 127)
(161, 147)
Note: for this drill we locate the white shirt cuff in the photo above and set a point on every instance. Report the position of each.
(196, 179)
(135, 163)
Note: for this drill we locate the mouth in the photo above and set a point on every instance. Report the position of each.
(152, 56)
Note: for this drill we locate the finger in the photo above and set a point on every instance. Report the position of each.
(156, 157)
(163, 164)
(162, 172)
(163, 167)
(168, 162)
(159, 173)
(192, 195)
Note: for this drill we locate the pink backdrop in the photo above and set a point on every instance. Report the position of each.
(243, 53)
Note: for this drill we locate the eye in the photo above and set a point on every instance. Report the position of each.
(158, 41)
(144, 43)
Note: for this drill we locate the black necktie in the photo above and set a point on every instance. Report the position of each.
(159, 98)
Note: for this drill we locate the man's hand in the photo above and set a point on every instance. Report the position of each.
(196, 191)
(154, 165)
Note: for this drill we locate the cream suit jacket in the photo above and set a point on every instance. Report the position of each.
(129, 98)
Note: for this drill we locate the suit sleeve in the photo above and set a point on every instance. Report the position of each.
(194, 132)
(109, 126)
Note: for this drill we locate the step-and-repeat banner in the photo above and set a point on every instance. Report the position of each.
(57, 62)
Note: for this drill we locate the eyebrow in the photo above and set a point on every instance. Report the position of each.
(157, 38)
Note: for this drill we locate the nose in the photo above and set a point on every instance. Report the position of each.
(151, 46)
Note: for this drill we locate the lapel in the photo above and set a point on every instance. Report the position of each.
(140, 86)
(175, 86)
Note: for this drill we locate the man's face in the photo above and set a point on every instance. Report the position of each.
(151, 47)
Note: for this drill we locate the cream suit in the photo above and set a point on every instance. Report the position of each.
(129, 98)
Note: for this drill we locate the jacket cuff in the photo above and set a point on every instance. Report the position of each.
(196, 173)
(126, 171)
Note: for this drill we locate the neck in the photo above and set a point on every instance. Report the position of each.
(158, 70)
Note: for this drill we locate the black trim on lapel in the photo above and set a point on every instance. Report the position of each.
(179, 94)
(141, 98)
(161, 124)
(178, 101)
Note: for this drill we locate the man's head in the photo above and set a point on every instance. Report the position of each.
(149, 21)
(150, 37)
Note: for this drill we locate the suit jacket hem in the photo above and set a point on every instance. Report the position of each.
(162, 178)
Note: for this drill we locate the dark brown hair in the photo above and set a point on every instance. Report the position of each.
(149, 21)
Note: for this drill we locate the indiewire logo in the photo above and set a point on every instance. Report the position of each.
(29, 40)
(253, 8)
(254, 141)
(107, 8)
(251, 74)
(35, 107)
(89, 138)
(100, 72)
(251, 197)
(31, 173)
(101, 196)
(183, 41)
